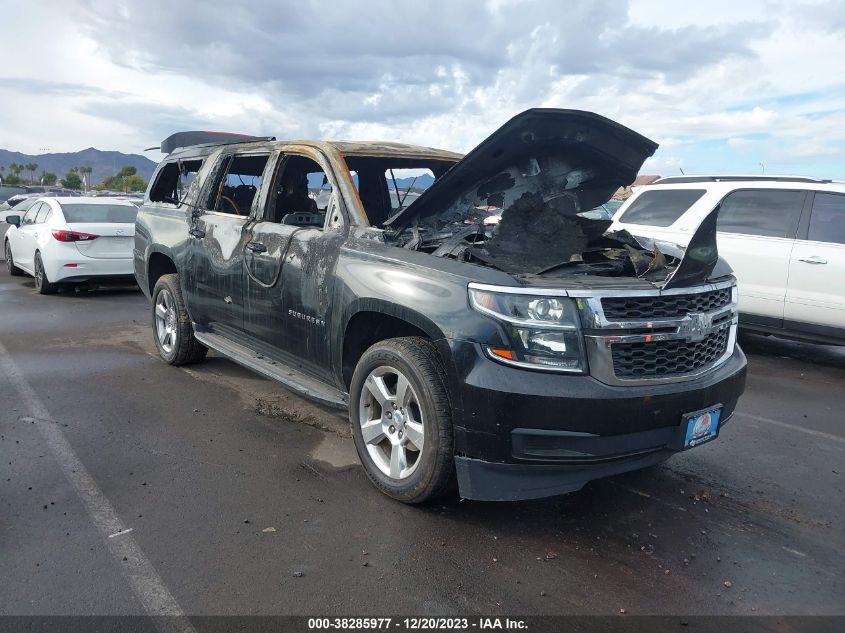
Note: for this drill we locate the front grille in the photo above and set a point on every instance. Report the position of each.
(663, 359)
(666, 307)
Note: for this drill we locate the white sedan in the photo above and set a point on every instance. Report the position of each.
(71, 240)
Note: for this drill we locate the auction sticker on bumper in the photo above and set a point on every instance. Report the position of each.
(702, 426)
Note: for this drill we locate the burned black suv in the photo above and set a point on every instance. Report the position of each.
(470, 313)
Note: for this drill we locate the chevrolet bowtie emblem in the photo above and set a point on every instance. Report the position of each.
(695, 326)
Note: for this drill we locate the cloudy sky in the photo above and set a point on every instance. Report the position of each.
(723, 85)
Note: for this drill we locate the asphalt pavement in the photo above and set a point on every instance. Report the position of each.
(128, 485)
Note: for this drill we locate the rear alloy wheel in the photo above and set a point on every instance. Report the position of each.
(401, 419)
(42, 284)
(172, 328)
(10, 264)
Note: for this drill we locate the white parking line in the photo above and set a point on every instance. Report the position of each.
(136, 568)
(791, 427)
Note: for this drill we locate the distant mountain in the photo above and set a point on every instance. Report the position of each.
(423, 181)
(103, 163)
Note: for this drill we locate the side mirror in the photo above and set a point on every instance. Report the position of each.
(14, 220)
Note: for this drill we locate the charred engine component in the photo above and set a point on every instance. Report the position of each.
(532, 236)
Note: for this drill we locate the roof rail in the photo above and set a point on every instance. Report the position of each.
(674, 180)
(196, 137)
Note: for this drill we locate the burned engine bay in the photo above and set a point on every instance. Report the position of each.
(527, 221)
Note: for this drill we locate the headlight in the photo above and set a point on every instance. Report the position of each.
(544, 332)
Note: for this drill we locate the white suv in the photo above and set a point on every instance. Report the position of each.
(783, 236)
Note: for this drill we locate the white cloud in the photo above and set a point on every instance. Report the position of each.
(725, 88)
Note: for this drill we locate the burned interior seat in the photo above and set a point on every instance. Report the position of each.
(243, 195)
(293, 197)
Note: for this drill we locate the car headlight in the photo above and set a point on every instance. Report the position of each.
(544, 332)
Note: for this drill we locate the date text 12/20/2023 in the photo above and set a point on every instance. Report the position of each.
(417, 624)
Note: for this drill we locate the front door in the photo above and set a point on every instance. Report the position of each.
(816, 290)
(290, 259)
(218, 231)
(23, 240)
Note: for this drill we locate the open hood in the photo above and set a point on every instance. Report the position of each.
(608, 154)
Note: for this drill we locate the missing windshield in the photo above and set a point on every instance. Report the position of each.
(387, 185)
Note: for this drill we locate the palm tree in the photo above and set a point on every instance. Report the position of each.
(31, 167)
(85, 171)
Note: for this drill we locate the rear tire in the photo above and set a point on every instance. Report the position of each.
(172, 329)
(14, 271)
(398, 397)
(42, 284)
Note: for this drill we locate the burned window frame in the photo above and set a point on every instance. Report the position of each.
(177, 185)
(335, 213)
(212, 191)
(380, 164)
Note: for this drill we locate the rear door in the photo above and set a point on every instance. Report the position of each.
(218, 234)
(112, 227)
(816, 289)
(757, 229)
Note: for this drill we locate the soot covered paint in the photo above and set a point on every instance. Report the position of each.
(504, 216)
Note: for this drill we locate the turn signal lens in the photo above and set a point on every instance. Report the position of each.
(503, 353)
(73, 236)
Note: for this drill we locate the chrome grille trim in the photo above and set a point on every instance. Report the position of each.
(601, 333)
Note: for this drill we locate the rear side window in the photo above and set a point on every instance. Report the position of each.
(770, 213)
(174, 180)
(43, 213)
(827, 221)
(237, 185)
(661, 207)
(100, 213)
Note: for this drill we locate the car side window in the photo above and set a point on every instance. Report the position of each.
(661, 207)
(827, 219)
(765, 212)
(29, 218)
(302, 195)
(174, 181)
(43, 213)
(237, 184)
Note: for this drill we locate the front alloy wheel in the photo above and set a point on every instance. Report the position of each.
(392, 424)
(10, 262)
(402, 419)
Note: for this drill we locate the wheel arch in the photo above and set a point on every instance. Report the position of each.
(160, 261)
(368, 321)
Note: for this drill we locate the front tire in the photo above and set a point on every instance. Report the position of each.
(14, 271)
(42, 284)
(402, 419)
(172, 329)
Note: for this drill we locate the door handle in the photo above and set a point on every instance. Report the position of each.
(815, 259)
(256, 247)
(197, 233)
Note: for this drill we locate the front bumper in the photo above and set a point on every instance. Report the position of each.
(523, 434)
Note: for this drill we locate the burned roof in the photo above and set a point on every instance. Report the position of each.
(193, 142)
